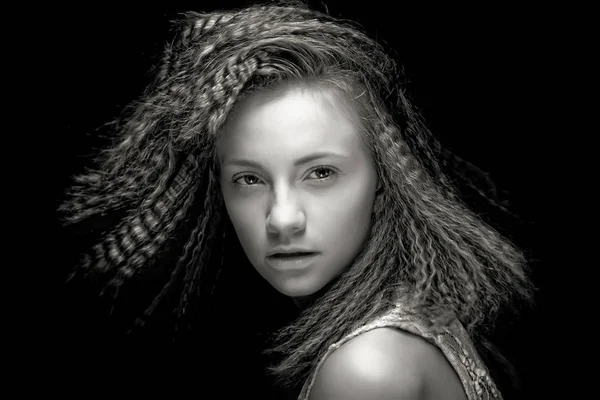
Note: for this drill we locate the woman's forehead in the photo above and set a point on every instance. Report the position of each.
(290, 121)
(328, 97)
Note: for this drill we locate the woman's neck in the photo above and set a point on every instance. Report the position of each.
(303, 302)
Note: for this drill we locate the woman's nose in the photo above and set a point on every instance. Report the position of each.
(285, 217)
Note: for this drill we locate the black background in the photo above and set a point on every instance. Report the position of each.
(479, 75)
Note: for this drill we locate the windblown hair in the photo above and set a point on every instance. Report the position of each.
(426, 247)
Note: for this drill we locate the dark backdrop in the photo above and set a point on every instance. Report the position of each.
(477, 74)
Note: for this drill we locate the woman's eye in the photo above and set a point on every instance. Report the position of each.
(318, 174)
(322, 173)
(246, 180)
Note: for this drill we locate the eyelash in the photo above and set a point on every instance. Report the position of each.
(332, 173)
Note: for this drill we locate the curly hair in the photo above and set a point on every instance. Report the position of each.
(426, 247)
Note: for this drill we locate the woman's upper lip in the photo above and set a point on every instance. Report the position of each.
(288, 250)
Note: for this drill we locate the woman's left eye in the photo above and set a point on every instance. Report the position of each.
(322, 173)
(246, 180)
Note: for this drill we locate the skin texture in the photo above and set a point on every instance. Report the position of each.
(387, 363)
(323, 205)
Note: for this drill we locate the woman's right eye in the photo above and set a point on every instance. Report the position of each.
(246, 180)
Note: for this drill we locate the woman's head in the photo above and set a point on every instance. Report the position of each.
(220, 68)
(297, 176)
(272, 85)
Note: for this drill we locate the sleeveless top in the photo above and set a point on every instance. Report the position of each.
(453, 341)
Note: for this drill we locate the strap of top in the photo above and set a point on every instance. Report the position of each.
(453, 341)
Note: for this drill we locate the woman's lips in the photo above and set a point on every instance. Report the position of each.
(286, 261)
(291, 255)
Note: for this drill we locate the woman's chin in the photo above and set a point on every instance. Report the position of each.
(296, 288)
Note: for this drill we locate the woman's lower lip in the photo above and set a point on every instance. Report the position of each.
(293, 262)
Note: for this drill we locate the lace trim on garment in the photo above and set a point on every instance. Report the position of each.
(453, 341)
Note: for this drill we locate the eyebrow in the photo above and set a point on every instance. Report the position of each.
(298, 162)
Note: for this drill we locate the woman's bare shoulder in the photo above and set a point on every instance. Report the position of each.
(387, 363)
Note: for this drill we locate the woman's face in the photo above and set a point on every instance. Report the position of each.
(299, 185)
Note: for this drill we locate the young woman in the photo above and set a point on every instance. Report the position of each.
(276, 142)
